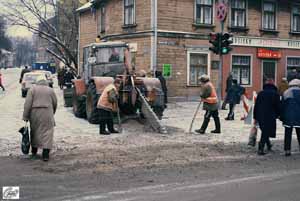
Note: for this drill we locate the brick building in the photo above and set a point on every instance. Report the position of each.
(172, 36)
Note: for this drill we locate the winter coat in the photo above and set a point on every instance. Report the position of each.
(206, 92)
(290, 113)
(292, 75)
(68, 77)
(234, 94)
(39, 108)
(109, 98)
(228, 83)
(267, 109)
(282, 87)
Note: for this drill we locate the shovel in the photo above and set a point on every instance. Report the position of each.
(191, 126)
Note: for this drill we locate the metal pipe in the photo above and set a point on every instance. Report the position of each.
(154, 35)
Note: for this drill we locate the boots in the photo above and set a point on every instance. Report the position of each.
(203, 127)
(46, 154)
(261, 147)
(218, 125)
(110, 125)
(269, 146)
(230, 117)
(102, 128)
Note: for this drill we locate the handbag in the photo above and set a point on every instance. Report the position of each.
(252, 136)
(25, 145)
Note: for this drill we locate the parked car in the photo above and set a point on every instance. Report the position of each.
(30, 79)
(48, 75)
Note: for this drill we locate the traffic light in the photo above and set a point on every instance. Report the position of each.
(226, 42)
(214, 39)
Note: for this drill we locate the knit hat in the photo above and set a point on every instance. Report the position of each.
(294, 82)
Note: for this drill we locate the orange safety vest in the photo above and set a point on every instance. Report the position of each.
(212, 99)
(103, 100)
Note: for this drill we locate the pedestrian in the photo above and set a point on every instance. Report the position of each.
(283, 86)
(292, 75)
(290, 114)
(60, 77)
(1, 82)
(68, 77)
(233, 97)
(228, 86)
(266, 111)
(163, 83)
(39, 109)
(25, 70)
(107, 104)
(209, 98)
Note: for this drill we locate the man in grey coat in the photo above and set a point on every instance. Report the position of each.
(39, 109)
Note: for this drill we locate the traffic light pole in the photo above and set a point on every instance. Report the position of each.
(219, 89)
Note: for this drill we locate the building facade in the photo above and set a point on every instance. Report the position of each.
(172, 36)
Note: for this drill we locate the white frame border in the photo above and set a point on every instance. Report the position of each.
(251, 67)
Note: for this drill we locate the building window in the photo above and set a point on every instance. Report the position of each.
(204, 11)
(102, 19)
(198, 66)
(129, 12)
(269, 15)
(238, 13)
(241, 69)
(293, 63)
(295, 18)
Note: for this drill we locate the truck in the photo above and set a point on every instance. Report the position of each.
(139, 97)
(47, 66)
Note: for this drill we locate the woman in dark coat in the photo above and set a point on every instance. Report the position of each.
(266, 111)
(233, 97)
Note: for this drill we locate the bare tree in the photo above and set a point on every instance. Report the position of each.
(35, 15)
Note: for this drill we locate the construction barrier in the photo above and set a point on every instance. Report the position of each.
(248, 106)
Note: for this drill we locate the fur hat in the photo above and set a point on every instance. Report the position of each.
(294, 82)
(204, 78)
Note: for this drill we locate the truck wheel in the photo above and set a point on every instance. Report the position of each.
(92, 112)
(78, 103)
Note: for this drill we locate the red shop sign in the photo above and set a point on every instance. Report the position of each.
(268, 54)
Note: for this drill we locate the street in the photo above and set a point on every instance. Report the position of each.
(141, 165)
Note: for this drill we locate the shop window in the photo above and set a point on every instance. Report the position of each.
(293, 62)
(238, 13)
(269, 15)
(204, 12)
(129, 12)
(197, 66)
(241, 69)
(295, 18)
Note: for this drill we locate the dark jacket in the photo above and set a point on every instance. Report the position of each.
(292, 75)
(234, 94)
(290, 113)
(68, 77)
(228, 83)
(26, 70)
(267, 109)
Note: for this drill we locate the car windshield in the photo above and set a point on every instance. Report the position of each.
(31, 77)
(110, 55)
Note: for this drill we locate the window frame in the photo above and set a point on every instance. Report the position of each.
(212, 13)
(133, 7)
(292, 17)
(188, 65)
(251, 67)
(286, 63)
(232, 13)
(275, 14)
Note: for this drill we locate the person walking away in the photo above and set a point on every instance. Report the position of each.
(283, 86)
(163, 83)
(266, 111)
(25, 70)
(39, 109)
(209, 98)
(68, 77)
(292, 75)
(1, 82)
(290, 114)
(233, 97)
(228, 86)
(107, 104)
(60, 77)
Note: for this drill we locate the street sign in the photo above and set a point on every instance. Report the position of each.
(167, 70)
(221, 11)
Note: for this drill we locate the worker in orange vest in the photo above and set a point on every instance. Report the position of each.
(107, 104)
(209, 98)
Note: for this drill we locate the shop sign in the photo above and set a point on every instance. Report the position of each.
(266, 42)
(167, 70)
(268, 54)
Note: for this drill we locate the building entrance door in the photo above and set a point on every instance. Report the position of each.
(268, 70)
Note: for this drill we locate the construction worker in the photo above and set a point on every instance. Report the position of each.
(209, 98)
(107, 104)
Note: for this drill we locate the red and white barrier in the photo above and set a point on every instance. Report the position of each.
(248, 106)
